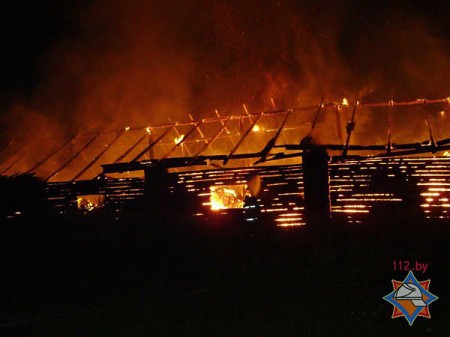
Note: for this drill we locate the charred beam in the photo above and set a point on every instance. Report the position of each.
(350, 127)
(51, 155)
(388, 146)
(316, 116)
(242, 139)
(156, 141)
(128, 151)
(71, 159)
(13, 163)
(171, 162)
(338, 124)
(93, 161)
(430, 132)
(271, 143)
(183, 139)
(206, 145)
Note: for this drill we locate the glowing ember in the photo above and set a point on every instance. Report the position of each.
(344, 102)
(147, 129)
(127, 128)
(178, 140)
(256, 128)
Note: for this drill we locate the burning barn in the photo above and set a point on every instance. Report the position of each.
(257, 165)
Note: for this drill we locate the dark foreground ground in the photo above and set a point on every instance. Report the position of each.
(143, 276)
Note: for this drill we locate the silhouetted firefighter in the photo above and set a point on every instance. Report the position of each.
(251, 207)
(315, 182)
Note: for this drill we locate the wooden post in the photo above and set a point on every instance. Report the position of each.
(316, 183)
(156, 187)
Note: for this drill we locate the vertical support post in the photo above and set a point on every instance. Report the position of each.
(316, 183)
(430, 132)
(349, 128)
(151, 152)
(339, 124)
(157, 191)
(388, 147)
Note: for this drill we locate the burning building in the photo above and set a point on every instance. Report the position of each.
(217, 164)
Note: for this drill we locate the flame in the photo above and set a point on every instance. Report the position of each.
(178, 140)
(88, 203)
(148, 130)
(442, 113)
(447, 154)
(256, 128)
(224, 198)
(344, 102)
(127, 128)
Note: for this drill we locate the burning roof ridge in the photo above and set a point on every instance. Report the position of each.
(219, 118)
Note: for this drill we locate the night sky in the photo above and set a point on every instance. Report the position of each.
(85, 64)
(28, 30)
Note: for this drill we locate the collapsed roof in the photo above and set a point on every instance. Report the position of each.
(376, 129)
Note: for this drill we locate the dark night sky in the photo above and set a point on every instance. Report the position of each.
(55, 52)
(28, 29)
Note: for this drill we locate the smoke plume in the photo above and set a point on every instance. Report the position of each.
(139, 62)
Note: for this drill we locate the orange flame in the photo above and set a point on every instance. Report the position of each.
(178, 140)
(344, 102)
(256, 128)
(224, 198)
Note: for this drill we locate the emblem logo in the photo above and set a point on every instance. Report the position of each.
(411, 298)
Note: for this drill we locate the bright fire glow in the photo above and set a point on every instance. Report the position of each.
(344, 102)
(88, 203)
(225, 197)
(295, 224)
(147, 129)
(178, 140)
(127, 128)
(256, 128)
